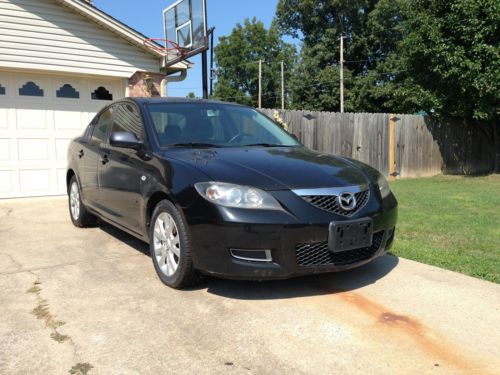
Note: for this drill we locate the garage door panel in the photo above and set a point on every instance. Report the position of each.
(27, 119)
(33, 149)
(6, 183)
(62, 148)
(34, 180)
(4, 118)
(61, 180)
(35, 130)
(5, 149)
(69, 119)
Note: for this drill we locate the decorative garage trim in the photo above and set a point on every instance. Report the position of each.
(101, 94)
(30, 88)
(67, 91)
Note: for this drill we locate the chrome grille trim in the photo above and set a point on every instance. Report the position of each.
(331, 191)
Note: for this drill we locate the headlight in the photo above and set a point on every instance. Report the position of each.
(383, 185)
(230, 195)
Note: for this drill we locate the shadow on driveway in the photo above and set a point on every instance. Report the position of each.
(303, 286)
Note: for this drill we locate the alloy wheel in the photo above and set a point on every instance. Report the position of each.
(74, 201)
(166, 242)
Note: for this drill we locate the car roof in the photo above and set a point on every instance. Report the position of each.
(142, 100)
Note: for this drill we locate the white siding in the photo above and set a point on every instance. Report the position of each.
(45, 35)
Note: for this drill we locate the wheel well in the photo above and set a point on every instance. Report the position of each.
(153, 201)
(69, 175)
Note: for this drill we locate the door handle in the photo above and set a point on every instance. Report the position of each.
(81, 154)
(104, 159)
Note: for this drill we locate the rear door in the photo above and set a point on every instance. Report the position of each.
(89, 157)
(120, 170)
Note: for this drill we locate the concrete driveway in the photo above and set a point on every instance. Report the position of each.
(88, 300)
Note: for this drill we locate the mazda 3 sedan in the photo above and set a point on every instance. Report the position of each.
(220, 189)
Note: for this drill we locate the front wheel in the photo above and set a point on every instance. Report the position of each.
(170, 247)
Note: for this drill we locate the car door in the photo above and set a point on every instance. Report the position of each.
(120, 170)
(88, 155)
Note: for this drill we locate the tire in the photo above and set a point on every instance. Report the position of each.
(170, 247)
(78, 213)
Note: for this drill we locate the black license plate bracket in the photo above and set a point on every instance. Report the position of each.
(350, 234)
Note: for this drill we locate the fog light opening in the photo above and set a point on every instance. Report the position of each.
(252, 255)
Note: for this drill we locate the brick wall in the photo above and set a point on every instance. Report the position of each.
(138, 87)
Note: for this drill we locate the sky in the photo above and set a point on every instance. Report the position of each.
(146, 16)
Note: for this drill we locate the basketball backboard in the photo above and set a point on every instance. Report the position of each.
(185, 24)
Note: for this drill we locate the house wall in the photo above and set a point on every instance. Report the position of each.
(137, 85)
(44, 35)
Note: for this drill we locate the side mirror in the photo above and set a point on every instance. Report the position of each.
(125, 140)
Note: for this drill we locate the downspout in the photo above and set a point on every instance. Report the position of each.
(167, 79)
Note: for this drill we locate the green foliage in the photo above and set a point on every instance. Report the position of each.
(237, 57)
(191, 95)
(452, 51)
(401, 55)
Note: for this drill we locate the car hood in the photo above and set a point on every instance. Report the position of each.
(272, 168)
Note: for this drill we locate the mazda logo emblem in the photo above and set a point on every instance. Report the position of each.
(347, 201)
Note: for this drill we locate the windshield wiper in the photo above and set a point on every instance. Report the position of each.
(194, 144)
(267, 145)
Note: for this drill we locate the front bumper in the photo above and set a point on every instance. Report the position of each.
(296, 238)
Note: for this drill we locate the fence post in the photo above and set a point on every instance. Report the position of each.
(392, 147)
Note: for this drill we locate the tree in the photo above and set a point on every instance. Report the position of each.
(320, 23)
(237, 57)
(441, 57)
(191, 95)
(452, 53)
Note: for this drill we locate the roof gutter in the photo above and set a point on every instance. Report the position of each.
(165, 81)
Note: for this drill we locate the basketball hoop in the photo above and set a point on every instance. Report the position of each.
(170, 46)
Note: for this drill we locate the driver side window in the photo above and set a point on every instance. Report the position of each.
(101, 127)
(127, 119)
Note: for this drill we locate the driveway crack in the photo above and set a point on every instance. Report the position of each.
(42, 312)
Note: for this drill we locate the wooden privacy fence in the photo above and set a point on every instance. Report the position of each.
(397, 145)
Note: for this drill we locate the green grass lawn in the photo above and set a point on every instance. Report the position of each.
(450, 222)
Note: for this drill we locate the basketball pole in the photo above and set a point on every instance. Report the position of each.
(212, 71)
(204, 73)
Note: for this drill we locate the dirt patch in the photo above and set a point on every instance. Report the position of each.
(42, 312)
(415, 330)
(81, 369)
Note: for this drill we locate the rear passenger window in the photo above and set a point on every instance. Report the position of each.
(101, 128)
(127, 119)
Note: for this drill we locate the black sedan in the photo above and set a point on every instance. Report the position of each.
(220, 189)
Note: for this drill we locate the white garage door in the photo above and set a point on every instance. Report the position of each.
(39, 115)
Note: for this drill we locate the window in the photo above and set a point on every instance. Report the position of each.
(127, 119)
(2, 90)
(30, 89)
(216, 124)
(67, 91)
(101, 94)
(101, 127)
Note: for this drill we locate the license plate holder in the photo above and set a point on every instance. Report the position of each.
(350, 234)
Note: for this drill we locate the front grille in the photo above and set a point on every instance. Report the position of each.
(317, 253)
(329, 202)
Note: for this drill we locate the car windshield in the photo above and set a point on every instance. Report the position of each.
(215, 125)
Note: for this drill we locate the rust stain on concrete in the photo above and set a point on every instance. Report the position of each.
(415, 330)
